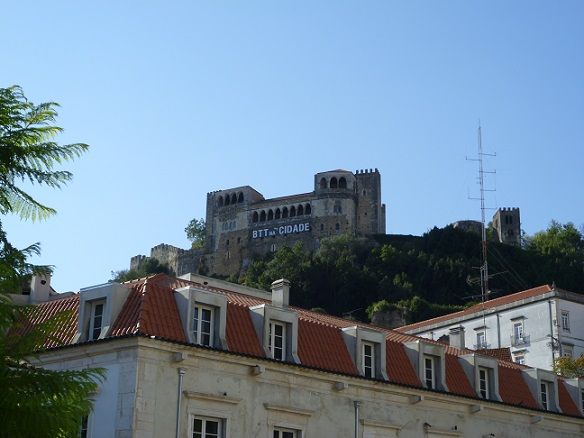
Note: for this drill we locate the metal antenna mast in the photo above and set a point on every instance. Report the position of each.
(484, 269)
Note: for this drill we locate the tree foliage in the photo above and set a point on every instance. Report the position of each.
(425, 276)
(196, 231)
(569, 367)
(148, 267)
(28, 153)
(35, 401)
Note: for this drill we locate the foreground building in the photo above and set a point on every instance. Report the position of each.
(241, 224)
(198, 357)
(538, 325)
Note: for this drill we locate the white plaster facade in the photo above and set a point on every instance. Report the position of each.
(139, 399)
(544, 334)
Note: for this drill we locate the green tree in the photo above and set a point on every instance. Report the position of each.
(147, 267)
(196, 231)
(569, 367)
(28, 153)
(562, 242)
(35, 401)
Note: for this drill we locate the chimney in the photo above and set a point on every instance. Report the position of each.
(456, 337)
(40, 288)
(281, 293)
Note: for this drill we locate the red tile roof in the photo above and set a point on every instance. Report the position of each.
(65, 309)
(507, 299)
(567, 405)
(499, 353)
(322, 346)
(512, 388)
(240, 334)
(150, 309)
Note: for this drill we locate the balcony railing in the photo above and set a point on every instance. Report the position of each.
(481, 346)
(517, 341)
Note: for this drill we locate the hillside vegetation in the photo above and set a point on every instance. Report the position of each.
(422, 276)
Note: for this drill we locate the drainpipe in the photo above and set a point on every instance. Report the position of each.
(181, 373)
(356, 404)
(498, 331)
(551, 330)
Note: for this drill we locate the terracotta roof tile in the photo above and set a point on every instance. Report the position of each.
(151, 309)
(240, 333)
(399, 367)
(66, 328)
(512, 388)
(507, 299)
(567, 405)
(456, 379)
(499, 353)
(322, 346)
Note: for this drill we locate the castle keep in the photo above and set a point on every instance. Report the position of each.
(242, 224)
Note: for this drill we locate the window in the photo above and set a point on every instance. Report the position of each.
(368, 360)
(342, 183)
(567, 351)
(519, 358)
(565, 320)
(484, 383)
(518, 330)
(481, 340)
(255, 216)
(277, 343)
(429, 372)
(333, 184)
(307, 209)
(83, 428)
(280, 432)
(544, 391)
(95, 320)
(203, 325)
(207, 428)
(322, 183)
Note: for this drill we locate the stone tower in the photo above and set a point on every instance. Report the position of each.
(507, 225)
(370, 210)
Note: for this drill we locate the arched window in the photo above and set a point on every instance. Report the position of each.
(278, 214)
(323, 183)
(263, 216)
(334, 184)
(300, 210)
(227, 200)
(240, 197)
(284, 212)
(337, 226)
(255, 217)
(292, 211)
(220, 201)
(233, 198)
(270, 215)
(307, 209)
(342, 183)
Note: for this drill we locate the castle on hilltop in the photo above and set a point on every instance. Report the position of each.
(241, 224)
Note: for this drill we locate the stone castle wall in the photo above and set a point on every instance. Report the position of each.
(243, 225)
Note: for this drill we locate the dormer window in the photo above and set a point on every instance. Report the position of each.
(484, 383)
(428, 359)
(544, 394)
(544, 387)
(368, 360)
(430, 372)
(276, 325)
(95, 320)
(204, 316)
(203, 325)
(367, 348)
(277, 345)
(99, 307)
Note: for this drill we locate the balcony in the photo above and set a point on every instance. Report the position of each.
(519, 341)
(481, 346)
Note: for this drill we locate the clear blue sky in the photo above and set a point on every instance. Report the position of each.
(181, 98)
